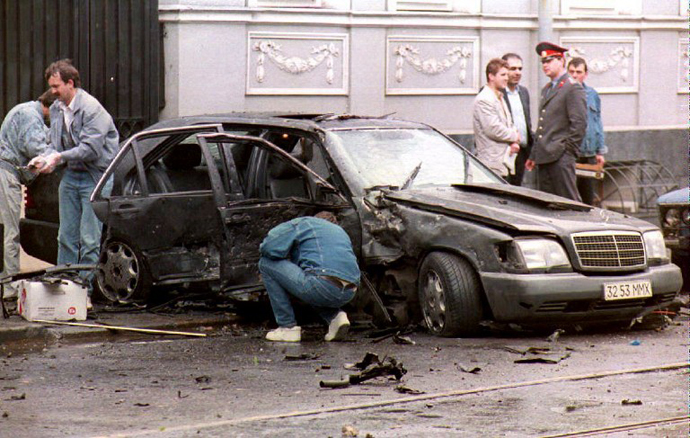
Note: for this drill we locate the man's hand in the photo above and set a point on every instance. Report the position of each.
(36, 164)
(529, 165)
(600, 160)
(514, 148)
(44, 164)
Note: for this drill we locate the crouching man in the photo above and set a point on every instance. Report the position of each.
(310, 258)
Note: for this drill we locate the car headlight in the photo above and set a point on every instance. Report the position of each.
(672, 218)
(542, 254)
(654, 245)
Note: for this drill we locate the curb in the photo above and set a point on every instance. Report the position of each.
(26, 331)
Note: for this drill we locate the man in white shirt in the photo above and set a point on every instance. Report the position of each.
(494, 133)
(517, 100)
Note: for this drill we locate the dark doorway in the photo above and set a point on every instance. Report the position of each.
(115, 44)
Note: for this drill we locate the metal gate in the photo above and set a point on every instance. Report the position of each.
(115, 44)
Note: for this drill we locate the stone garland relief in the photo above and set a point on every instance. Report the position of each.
(619, 57)
(431, 65)
(612, 64)
(293, 64)
(308, 64)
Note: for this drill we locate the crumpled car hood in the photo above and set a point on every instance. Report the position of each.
(516, 208)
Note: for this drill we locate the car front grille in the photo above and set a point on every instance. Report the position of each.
(605, 251)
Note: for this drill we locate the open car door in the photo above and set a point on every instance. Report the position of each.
(275, 187)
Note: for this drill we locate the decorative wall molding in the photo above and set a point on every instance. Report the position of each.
(683, 66)
(613, 63)
(284, 3)
(465, 6)
(297, 63)
(601, 7)
(432, 65)
(420, 5)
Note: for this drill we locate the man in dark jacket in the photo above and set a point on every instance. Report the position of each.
(562, 126)
(517, 98)
(309, 258)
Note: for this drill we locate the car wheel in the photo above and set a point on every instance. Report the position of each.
(121, 273)
(449, 295)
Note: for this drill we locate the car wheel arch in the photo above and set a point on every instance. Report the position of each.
(468, 302)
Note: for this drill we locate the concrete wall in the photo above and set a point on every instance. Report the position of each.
(369, 58)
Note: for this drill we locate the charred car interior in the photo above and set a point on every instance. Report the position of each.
(440, 237)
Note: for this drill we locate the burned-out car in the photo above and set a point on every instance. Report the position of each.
(436, 232)
(674, 217)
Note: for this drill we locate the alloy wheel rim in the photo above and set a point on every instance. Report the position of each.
(118, 272)
(434, 303)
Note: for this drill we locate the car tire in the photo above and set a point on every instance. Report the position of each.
(121, 274)
(449, 295)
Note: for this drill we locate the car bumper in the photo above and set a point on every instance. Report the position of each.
(573, 296)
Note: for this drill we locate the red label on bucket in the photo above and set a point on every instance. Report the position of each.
(72, 310)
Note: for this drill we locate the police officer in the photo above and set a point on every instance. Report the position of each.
(562, 126)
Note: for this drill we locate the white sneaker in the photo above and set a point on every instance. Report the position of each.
(338, 328)
(285, 334)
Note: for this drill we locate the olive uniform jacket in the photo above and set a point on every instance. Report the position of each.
(562, 121)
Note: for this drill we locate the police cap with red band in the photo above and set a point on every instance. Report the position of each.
(550, 50)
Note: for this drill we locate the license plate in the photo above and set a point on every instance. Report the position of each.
(626, 290)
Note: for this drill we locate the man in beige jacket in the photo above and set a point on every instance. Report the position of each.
(495, 138)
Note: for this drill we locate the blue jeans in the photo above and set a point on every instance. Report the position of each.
(283, 278)
(79, 235)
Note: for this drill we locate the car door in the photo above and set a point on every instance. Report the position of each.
(163, 206)
(275, 188)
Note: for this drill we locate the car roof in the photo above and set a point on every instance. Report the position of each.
(680, 196)
(310, 122)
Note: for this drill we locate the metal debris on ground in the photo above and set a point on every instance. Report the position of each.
(627, 402)
(395, 332)
(349, 431)
(403, 340)
(402, 389)
(370, 367)
(466, 369)
(368, 359)
(546, 355)
(553, 337)
(303, 356)
(202, 379)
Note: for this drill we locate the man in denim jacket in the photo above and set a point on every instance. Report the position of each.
(310, 258)
(593, 149)
(84, 137)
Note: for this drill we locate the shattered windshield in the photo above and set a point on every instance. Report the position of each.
(404, 158)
